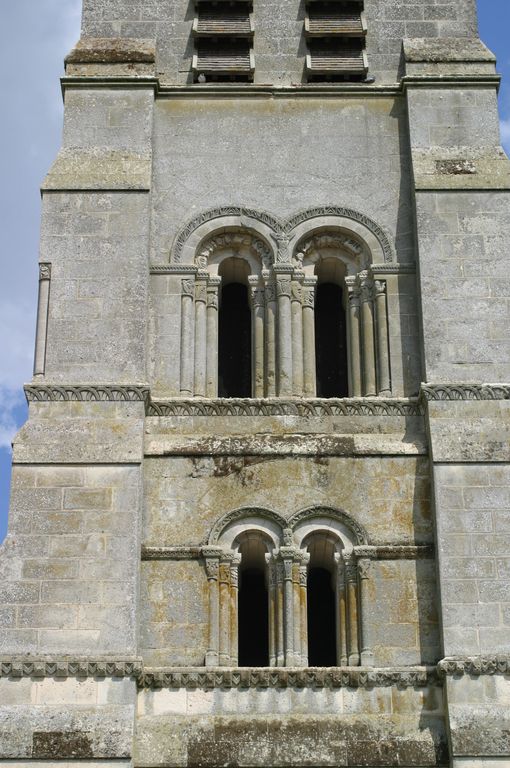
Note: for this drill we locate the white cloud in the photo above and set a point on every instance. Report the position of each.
(10, 400)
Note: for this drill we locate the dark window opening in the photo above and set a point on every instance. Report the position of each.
(234, 352)
(253, 619)
(321, 619)
(330, 342)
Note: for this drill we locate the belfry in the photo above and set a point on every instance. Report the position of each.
(260, 510)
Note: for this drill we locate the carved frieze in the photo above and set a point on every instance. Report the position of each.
(86, 392)
(465, 391)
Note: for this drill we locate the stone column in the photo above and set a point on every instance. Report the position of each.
(187, 336)
(367, 317)
(200, 335)
(303, 586)
(224, 585)
(270, 340)
(341, 616)
(297, 338)
(280, 623)
(351, 578)
(296, 588)
(288, 606)
(367, 656)
(234, 610)
(272, 610)
(354, 336)
(257, 301)
(43, 306)
(211, 386)
(383, 354)
(284, 335)
(212, 566)
(309, 370)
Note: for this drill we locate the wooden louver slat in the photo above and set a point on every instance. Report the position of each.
(327, 23)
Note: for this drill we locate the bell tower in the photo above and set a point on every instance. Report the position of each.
(260, 507)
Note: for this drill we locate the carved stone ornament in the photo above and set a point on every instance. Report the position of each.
(188, 288)
(296, 291)
(283, 287)
(281, 677)
(240, 514)
(338, 241)
(200, 292)
(258, 297)
(283, 229)
(465, 391)
(212, 298)
(308, 298)
(474, 665)
(62, 668)
(86, 393)
(364, 568)
(45, 271)
(360, 534)
(347, 213)
(235, 241)
(212, 568)
(218, 213)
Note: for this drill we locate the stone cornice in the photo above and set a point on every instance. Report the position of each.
(288, 407)
(376, 552)
(456, 666)
(52, 667)
(87, 392)
(281, 677)
(16, 668)
(430, 392)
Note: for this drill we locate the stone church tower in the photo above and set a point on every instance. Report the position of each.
(243, 532)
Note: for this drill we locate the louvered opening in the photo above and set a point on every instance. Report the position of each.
(222, 57)
(336, 41)
(223, 47)
(329, 19)
(217, 21)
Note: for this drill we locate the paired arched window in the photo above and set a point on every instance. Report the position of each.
(294, 602)
(314, 326)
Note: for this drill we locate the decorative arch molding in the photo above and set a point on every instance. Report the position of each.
(214, 221)
(245, 513)
(237, 241)
(346, 220)
(360, 535)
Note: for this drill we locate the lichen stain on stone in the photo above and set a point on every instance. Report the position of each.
(61, 744)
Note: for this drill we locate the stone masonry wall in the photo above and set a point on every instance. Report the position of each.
(279, 40)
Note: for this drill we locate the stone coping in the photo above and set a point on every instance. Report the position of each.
(108, 50)
(16, 668)
(465, 391)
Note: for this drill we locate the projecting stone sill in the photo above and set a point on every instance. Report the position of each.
(288, 677)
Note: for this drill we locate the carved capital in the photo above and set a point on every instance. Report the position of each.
(188, 288)
(296, 291)
(380, 287)
(258, 298)
(212, 569)
(350, 567)
(45, 271)
(201, 291)
(366, 286)
(364, 565)
(283, 287)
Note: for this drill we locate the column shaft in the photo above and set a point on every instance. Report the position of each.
(200, 338)
(187, 337)
(270, 335)
(341, 617)
(303, 583)
(234, 612)
(367, 656)
(383, 354)
(284, 338)
(212, 338)
(352, 611)
(288, 613)
(212, 654)
(354, 338)
(272, 612)
(309, 372)
(367, 315)
(43, 306)
(257, 334)
(280, 615)
(297, 614)
(224, 580)
(297, 340)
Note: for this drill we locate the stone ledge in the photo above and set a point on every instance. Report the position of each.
(54, 393)
(446, 49)
(62, 668)
(285, 407)
(465, 392)
(457, 666)
(76, 168)
(112, 50)
(378, 552)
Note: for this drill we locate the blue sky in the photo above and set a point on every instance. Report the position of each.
(35, 35)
